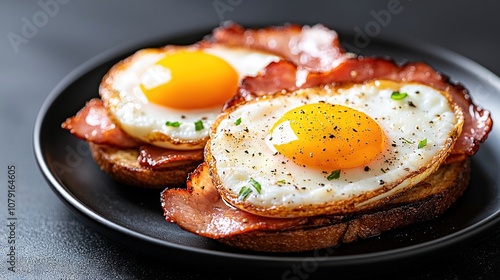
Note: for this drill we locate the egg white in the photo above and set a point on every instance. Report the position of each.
(238, 154)
(146, 121)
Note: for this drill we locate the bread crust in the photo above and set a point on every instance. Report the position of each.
(123, 166)
(423, 202)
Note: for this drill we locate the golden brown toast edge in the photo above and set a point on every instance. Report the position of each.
(423, 202)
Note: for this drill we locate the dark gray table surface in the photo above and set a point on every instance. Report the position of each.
(42, 41)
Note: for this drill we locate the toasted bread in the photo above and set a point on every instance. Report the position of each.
(423, 202)
(123, 166)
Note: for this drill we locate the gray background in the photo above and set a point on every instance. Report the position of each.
(52, 243)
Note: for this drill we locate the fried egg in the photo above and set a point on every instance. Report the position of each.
(330, 150)
(169, 97)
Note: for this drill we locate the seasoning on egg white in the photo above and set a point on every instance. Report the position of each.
(299, 146)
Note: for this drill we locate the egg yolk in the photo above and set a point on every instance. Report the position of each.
(190, 80)
(327, 136)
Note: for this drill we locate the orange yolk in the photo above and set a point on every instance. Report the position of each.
(327, 136)
(191, 80)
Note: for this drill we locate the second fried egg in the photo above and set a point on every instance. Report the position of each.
(330, 150)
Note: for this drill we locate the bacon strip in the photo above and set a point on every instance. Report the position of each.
(156, 158)
(200, 209)
(285, 75)
(314, 48)
(92, 123)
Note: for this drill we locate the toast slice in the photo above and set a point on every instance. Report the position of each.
(422, 202)
(123, 166)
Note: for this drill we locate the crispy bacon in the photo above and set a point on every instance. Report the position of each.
(201, 210)
(92, 123)
(285, 75)
(156, 158)
(314, 48)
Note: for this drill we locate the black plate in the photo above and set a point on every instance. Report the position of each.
(134, 216)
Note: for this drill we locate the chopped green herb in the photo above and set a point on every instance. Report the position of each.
(396, 95)
(334, 175)
(281, 182)
(238, 121)
(198, 125)
(244, 193)
(407, 141)
(173, 124)
(255, 184)
(422, 143)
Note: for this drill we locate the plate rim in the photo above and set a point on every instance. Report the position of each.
(70, 200)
